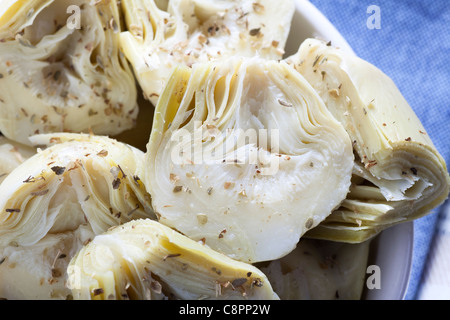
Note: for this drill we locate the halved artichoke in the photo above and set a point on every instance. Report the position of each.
(239, 154)
(398, 174)
(12, 154)
(163, 34)
(144, 259)
(53, 202)
(320, 270)
(60, 76)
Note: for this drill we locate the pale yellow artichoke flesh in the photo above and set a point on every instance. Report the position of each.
(53, 79)
(399, 175)
(144, 259)
(58, 76)
(163, 34)
(251, 199)
(56, 200)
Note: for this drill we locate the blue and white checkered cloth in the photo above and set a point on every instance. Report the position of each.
(412, 46)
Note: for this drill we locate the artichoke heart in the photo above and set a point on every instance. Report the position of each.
(163, 34)
(143, 260)
(65, 194)
(320, 270)
(61, 69)
(398, 174)
(238, 155)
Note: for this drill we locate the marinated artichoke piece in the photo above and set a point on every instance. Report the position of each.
(144, 259)
(61, 69)
(12, 154)
(77, 187)
(77, 179)
(398, 174)
(238, 155)
(163, 34)
(320, 270)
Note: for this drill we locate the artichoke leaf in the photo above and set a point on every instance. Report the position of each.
(163, 34)
(77, 177)
(144, 259)
(57, 76)
(74, 187)
(398, 173)
(238, 154)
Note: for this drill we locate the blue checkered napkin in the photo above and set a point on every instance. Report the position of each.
(412, 46)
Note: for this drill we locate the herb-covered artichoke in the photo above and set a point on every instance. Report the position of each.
(12, 154)
(77, 187)
(61, 69)
(163, 34)
(398, 174)
(239, 154)
(144, 259)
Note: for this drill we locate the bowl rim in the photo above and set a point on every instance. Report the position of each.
(327, 31)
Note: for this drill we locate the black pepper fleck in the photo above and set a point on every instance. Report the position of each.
(58, 170)
(255, 32)
(116, 183)
(98, 291)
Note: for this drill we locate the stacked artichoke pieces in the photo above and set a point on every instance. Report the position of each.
(76, 213)
(57, 200)
(56, 78)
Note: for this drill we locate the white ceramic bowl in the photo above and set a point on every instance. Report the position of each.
(392, 250)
